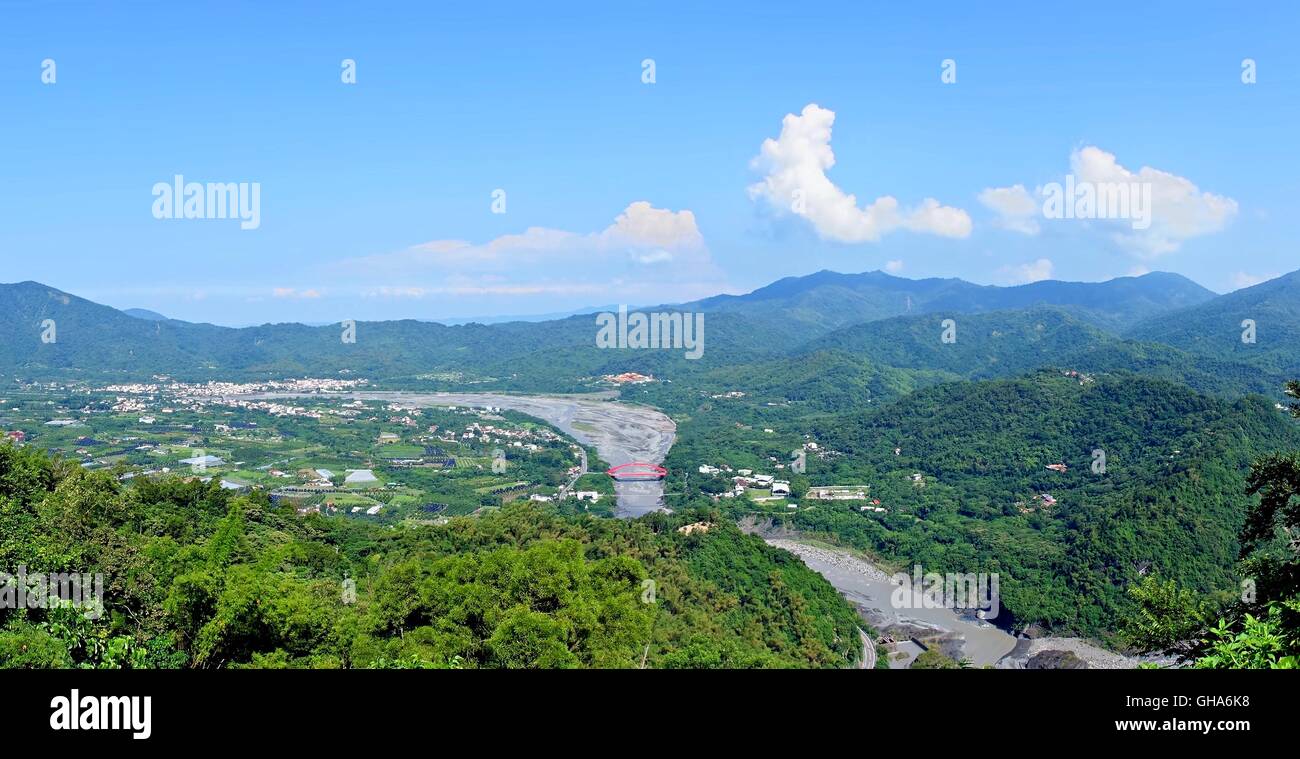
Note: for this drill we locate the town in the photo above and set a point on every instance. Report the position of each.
(321, 454)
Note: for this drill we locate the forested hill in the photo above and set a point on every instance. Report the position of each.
(830, 300)
(94, 341)
(85, 339)
(196, 577)
(1010, 343)
(1215, 328)
(1171, 498)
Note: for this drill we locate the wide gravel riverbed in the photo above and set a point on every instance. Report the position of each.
(620, 432)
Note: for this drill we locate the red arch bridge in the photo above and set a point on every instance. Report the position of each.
(637, 470)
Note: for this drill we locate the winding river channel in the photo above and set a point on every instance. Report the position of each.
(621, 433)
(624, 433)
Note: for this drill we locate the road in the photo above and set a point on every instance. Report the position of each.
(868, 651)
(582, 469)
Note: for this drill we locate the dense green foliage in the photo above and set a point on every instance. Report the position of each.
(1158, 378)
(561, 355)
(196, 577)
(1260, 628)
(1170, 501)
(1218, 328)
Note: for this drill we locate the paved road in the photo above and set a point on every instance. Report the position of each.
(868, 651)
(582, 469)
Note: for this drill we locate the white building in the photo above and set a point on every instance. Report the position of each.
(356, 476)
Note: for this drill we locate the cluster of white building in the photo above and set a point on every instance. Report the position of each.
(581, 495)
(490, 433)
(745, 478)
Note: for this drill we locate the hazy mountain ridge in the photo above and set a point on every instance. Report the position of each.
(832, 300)
(1002, 331)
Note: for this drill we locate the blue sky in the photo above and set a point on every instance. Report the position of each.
(376, 197)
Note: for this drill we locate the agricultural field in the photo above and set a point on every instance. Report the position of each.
(364, 460)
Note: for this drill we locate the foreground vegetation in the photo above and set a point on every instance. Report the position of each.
(1260, 627)
(197, 577)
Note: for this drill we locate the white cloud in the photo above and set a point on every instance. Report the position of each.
(893, 267)
(1179, 210)
(644, 254)
(654, 257)
(642, 225)
(396, 292)
(1034, 271)
(1016, 209)
(794, 167)
(641, 234)
(294, 293)
(1243, 279)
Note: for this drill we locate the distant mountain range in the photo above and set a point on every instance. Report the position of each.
(1215, 327)
(830, 300)
(1159, 323)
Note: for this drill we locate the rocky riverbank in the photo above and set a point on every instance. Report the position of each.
(832, 557)
(868, 586)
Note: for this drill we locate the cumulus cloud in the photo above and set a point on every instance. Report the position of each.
(1178, 210)
(640, 234)
(1016, 209)
(645, 253)
(642, 225)
(893, 267)
(1034, 271)
(794, 166)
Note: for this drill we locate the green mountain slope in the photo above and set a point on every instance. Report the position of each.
(96, 341)
(829, 300)
(1215, 328)
(1010, 343)
(1171, 498)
